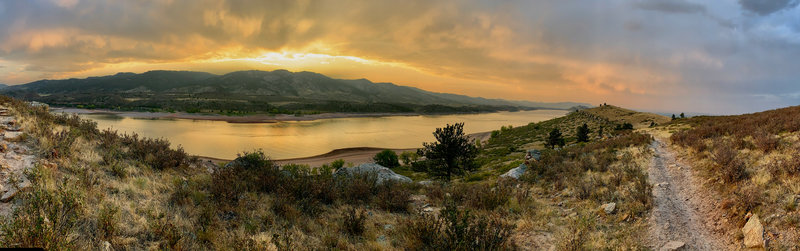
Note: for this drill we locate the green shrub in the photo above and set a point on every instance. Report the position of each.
(45, 217)
(387, 158)
(107, 222)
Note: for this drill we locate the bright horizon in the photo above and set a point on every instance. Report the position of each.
(723, 57)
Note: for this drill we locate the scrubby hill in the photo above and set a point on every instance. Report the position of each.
(751, 162)
(618, 115)
(102, 189)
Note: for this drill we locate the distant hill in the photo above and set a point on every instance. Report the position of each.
(3, 86)
(279, 88)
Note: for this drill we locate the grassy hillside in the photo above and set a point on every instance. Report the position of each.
(96, 188)
(752, 162)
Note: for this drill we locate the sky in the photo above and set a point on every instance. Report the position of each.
(716, 57)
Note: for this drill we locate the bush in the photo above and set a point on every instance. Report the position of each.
(44, 218)
(457, 230)
(387, 158)
(729, 167)
(106, 222)
(353, 223)
(393, 197)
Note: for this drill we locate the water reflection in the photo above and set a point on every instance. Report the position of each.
(306, 138)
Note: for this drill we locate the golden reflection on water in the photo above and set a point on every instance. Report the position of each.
(306, 138)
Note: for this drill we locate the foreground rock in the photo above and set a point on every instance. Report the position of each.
(753, 233)
(382, 173)
(515, 172)
(609, 208)
(673, 246)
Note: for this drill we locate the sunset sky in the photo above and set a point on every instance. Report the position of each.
(719, 57)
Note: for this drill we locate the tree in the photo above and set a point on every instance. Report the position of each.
(683, 116)
(387, 158)
(583, 133)
(555, 139)
(673, 117)
(452, 153)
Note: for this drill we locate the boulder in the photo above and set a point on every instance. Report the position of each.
(753, 233)
(515, 172)
(382, 173)
(609, 208)
(673, 246)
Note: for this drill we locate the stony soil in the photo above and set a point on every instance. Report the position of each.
(15, 158)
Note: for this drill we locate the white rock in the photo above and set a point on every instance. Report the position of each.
(382, 173)
(609, 208)
(515, 172)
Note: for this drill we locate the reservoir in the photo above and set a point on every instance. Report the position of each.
(293, 139)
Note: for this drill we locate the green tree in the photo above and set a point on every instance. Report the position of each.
(555, 139)
(683, 116)
(583, 133)
(452, 153)
(387, 158)
(673, 117)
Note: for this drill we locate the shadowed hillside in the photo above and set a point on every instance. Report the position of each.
(248, 92)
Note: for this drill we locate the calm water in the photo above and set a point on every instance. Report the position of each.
(307, 138)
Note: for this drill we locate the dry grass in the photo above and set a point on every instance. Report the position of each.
(134, 198)
(752, 163)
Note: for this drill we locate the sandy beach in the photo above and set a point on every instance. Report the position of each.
(355, 155)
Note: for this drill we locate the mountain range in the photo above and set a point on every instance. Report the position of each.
(279, 88)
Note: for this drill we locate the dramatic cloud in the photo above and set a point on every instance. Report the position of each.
(672, 55)
(766, 7)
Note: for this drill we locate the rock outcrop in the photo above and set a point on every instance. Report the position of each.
(382, 173)
(515, 172)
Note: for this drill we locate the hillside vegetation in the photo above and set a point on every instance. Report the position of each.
(249, 92)
(752, 162)
(96, 188)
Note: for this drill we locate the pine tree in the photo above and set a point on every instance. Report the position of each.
(555, 139)
(583, 133)
(452, 153)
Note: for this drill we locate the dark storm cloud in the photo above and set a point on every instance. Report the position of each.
(766, 7)
(674, 6)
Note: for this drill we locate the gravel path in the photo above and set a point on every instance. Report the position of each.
(678, 213)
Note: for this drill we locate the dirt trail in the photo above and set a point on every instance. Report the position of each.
(681, 207)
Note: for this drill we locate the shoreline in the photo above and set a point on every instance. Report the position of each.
(355, 155)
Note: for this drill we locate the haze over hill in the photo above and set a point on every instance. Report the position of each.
(279, 89)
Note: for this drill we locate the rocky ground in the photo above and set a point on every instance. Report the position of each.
(15, 158)
(683, 212)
